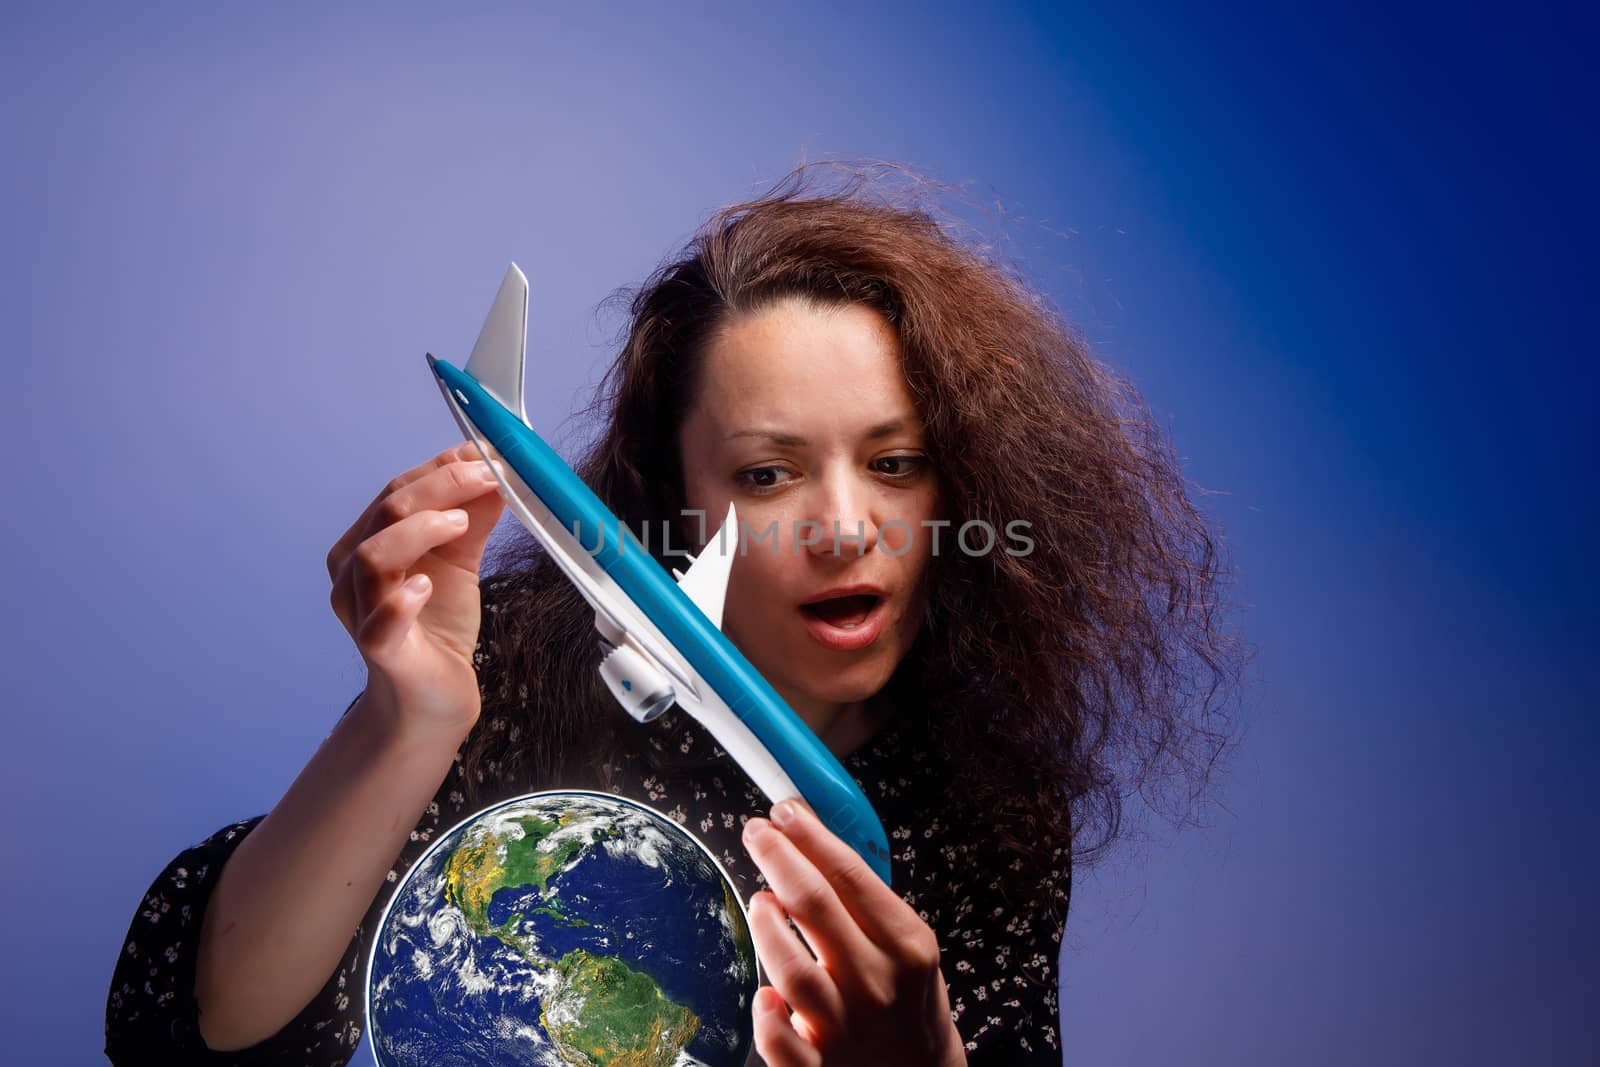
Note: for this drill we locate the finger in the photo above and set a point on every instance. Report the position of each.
(483, 505)
(793, 973)
(806, 895)
(384, 631)
(467, 485)
(357, 532)
(379, 564)
(877, 910)
(779, 1044)
(447, 485)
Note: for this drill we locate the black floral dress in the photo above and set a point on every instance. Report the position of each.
(998, 956)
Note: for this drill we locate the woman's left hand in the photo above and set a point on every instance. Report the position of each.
(874, 993)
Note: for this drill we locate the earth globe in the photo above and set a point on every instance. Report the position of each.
(564, 927)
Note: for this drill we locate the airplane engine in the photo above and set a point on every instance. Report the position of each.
(642, 690)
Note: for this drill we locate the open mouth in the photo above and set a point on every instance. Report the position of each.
(845, 612)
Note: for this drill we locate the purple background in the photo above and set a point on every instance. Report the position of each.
(1346, 255)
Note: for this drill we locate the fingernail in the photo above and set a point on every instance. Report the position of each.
(755, 828)
(456, 517)
(786, 814)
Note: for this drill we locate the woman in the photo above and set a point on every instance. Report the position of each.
(980, 581)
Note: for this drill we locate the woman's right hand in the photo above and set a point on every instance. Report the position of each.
(405, 586)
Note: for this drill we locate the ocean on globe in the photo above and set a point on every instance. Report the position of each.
(563, 928)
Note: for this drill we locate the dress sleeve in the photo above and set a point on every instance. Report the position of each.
(151, 1013)
(1000, 964)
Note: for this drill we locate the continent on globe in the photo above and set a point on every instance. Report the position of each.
(605, 1013)
(479, 868)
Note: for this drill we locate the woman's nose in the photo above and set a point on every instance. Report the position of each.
(841, 524)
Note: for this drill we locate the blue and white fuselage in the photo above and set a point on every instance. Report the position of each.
(662, 641)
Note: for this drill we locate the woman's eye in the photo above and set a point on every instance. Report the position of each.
(761, 477)
(900, 466)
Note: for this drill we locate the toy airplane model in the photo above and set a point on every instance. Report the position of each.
(662, 642)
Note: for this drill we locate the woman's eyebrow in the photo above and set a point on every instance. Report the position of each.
(777, 437)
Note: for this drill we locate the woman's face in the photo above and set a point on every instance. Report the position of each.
(802, 419)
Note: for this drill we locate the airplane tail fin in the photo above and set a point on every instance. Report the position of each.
(497, 359)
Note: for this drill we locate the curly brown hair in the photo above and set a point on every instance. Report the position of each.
(1056, 681)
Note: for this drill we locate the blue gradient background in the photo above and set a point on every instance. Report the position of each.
(1346, 255)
